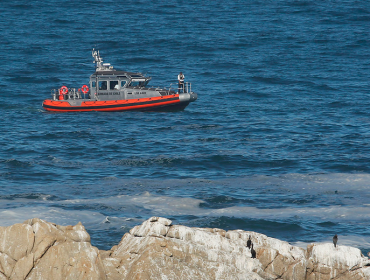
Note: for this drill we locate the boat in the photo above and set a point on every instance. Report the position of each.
(115, 90)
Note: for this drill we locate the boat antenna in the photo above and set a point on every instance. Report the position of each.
(97, 59)
(99, 65)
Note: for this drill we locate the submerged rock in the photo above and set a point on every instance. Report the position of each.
(156, 249)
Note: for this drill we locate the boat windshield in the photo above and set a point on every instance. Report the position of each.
(138, 83)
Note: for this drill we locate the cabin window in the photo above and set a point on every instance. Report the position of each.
(113, 85)
(93, 84)
(123, 83)
(102, 85)
(138, 83)
(134, 84)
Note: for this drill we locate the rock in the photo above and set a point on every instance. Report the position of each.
(22, 267)
(191, 253)
(16, 240)
(40, 250)
(151, 227)
(69, 260)
(277, 257)
(340, 262)
(163, 221)
(156, 249)
(6, 264)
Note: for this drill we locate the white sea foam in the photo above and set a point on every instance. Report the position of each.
(159, 204)
(92, 219)
(166, 205)
(319, 214)
(356, 209)
(50, 214)
(316, 183)
(355, 186)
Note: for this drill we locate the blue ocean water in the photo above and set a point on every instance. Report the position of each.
(277, 142)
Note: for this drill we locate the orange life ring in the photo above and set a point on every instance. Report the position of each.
(63, 90)
(85, 89)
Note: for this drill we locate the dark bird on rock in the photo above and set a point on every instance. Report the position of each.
(253, 252)
(249, 242)
(335, 240)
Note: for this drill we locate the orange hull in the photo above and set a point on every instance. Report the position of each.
(115, 105)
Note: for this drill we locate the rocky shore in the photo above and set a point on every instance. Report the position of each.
(156, 249)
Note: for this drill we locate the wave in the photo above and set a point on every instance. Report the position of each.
(320, 198)
(294, 207)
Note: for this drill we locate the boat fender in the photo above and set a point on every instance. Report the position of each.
(85, 89)
(62, 91)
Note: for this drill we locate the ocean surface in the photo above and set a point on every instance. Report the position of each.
(278, 141)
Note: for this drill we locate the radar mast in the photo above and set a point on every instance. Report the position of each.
(99, 65)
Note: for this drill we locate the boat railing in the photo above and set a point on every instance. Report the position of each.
(72, 93)
(184, 88)
(187, 87)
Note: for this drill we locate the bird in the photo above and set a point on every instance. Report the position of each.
(335, 240)
(253, 252)
(249, 242)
